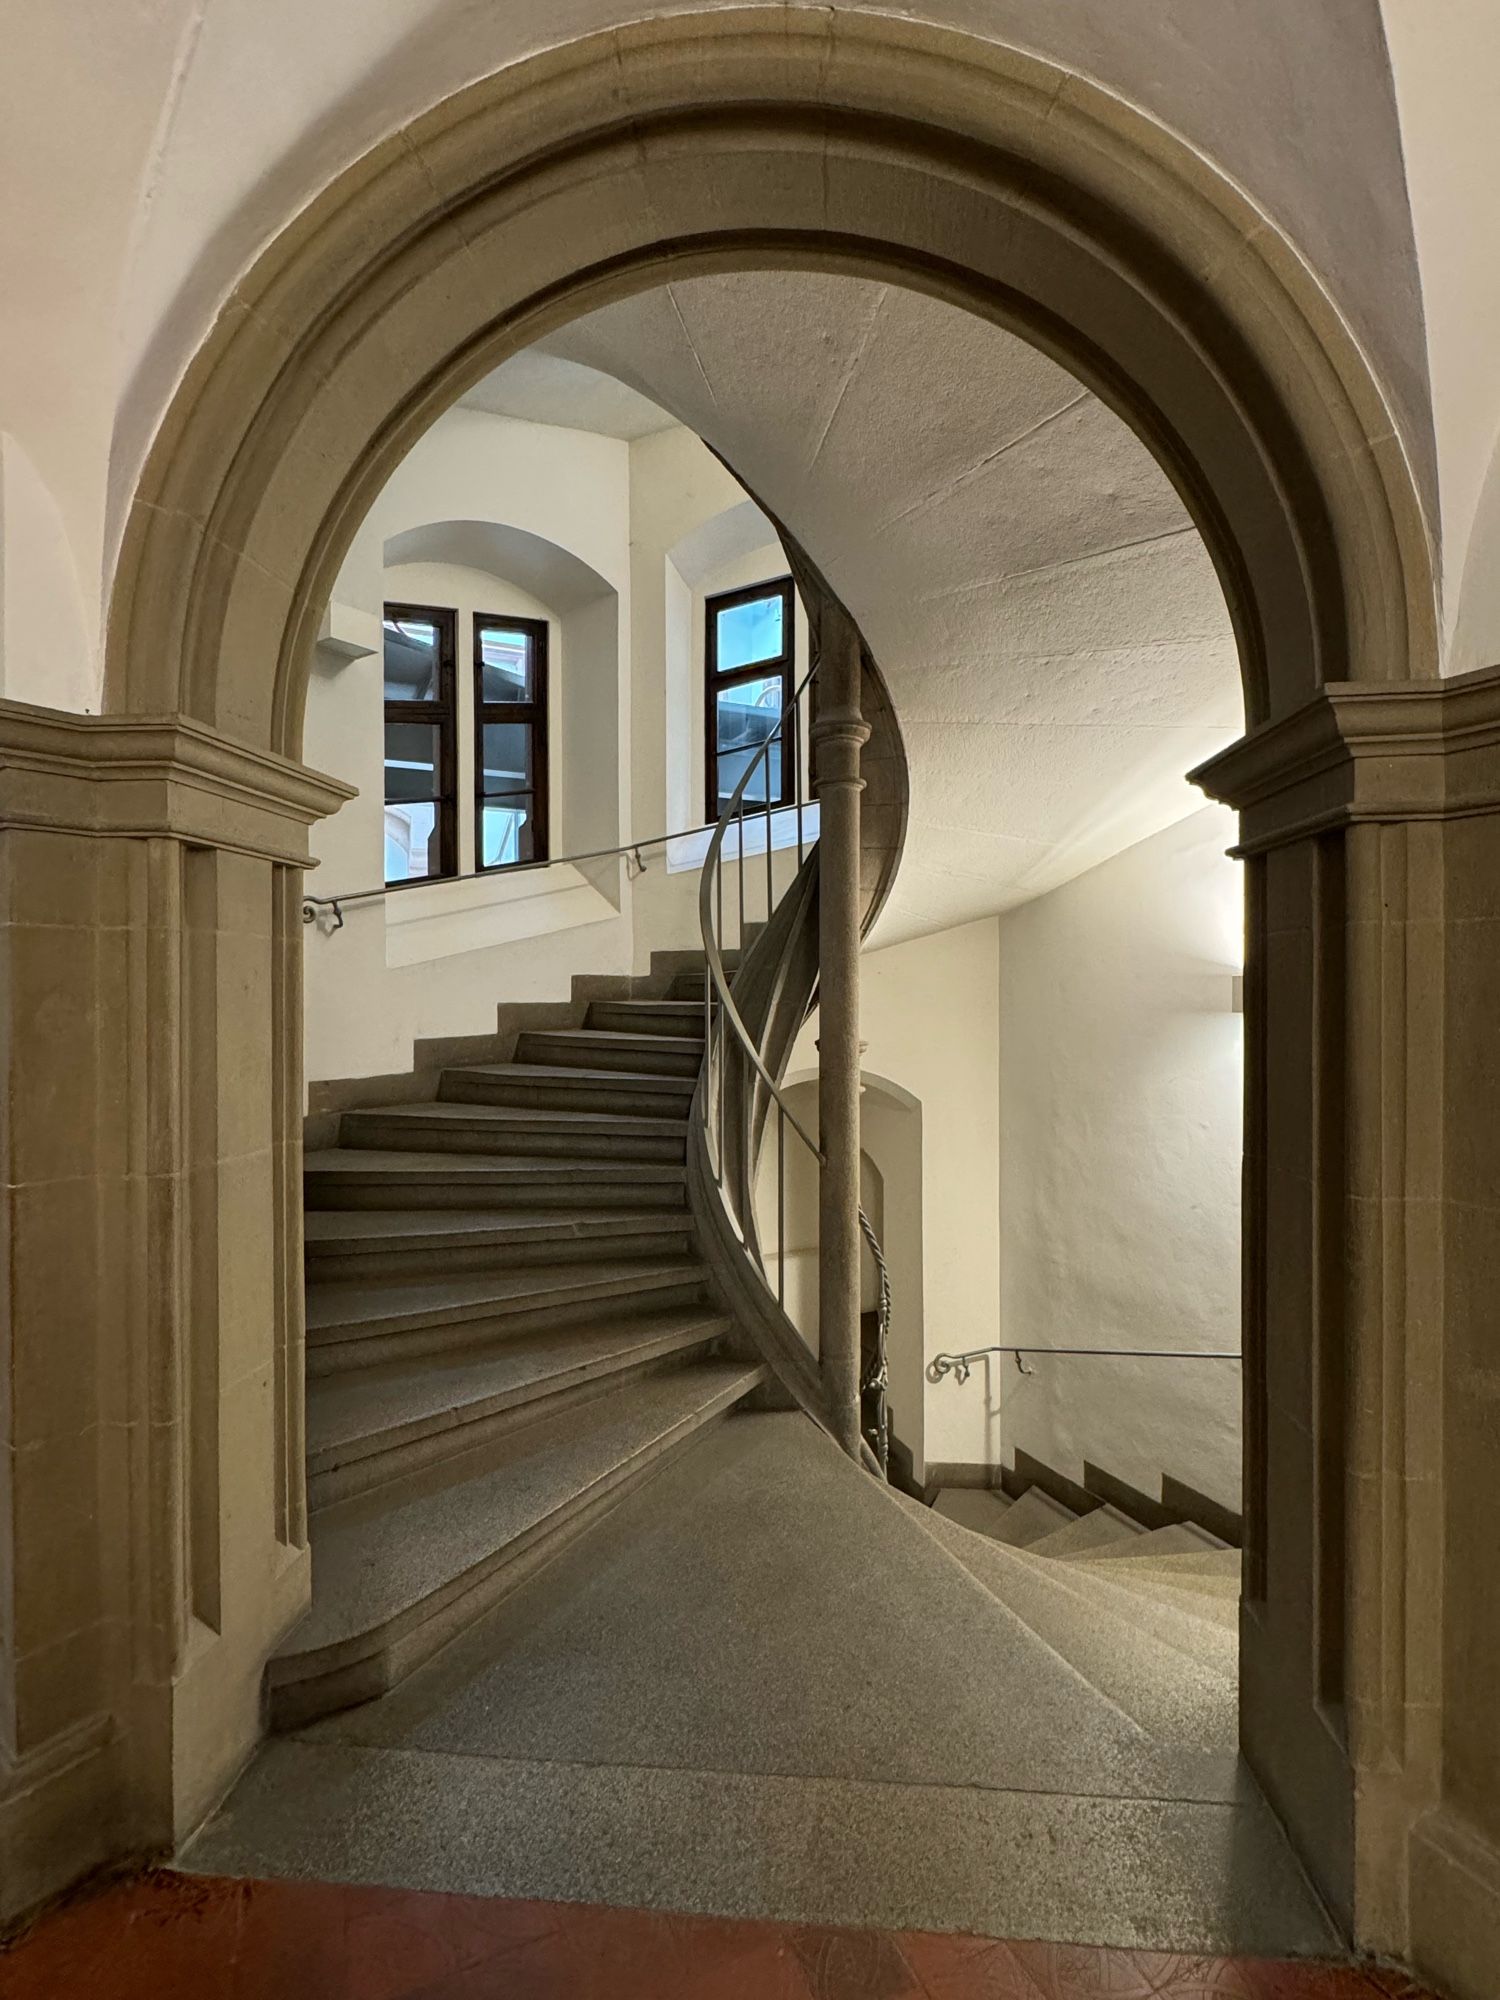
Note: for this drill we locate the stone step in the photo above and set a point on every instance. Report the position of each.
(538, 1086)
(396, 1578)
(981, 1508)
(1178, 1625)
(353, 1325)
(682, 1017)
(609, 1048)
(1175, 1695)
(393, 1243)
(1181, 1539)
(1193, 1597)
(344, 1177)
(687, 985)
(366, 1429)
(1104, 1528)
(511, 1129)
(1026, 1520)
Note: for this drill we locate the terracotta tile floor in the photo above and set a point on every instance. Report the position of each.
(161, 1936)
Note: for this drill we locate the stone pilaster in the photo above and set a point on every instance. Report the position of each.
(151, 1531)
(839, 732)
(1370, 824)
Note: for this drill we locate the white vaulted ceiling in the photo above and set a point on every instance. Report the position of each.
(1046, 616)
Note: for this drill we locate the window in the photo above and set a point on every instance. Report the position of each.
(748, 655)
(510, 741)
(421, 743)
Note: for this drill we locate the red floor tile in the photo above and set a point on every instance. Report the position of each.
(160, 1936)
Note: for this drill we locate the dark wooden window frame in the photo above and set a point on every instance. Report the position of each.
(533, 713)
(443, 715)
(784, 665)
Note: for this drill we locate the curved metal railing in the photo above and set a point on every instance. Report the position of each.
(748, 1030)
(733, 1114)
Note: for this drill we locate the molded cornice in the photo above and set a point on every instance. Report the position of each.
(157, 776)
(1364, 751)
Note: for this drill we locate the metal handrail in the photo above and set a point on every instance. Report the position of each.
(958, 1365)
(878, 1375)
(725, 1028)
(717, 982)
(312, 904)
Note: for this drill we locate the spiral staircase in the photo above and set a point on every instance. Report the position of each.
(611, 1599)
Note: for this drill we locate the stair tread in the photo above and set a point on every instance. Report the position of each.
(347, 1409)
(1030, 1517)
(678, 1008)
(598, 1079)
(375, 1163)
(1175, 1624)
(1195, 1597)
(1199, 1565)
(370, 1568)
(520, 1116)
(616, 1038)
(978, 1507)
(1176, 1695)
(1104, 1528)
(1181, 1538)
(358, 1302)
(400, 1228)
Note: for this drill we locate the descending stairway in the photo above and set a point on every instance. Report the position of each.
(508, 1327)
(1148, 1616)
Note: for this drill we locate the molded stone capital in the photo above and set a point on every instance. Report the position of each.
(1364, 752)
(123, 775)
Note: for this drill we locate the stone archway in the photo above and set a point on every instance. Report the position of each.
(698, 144)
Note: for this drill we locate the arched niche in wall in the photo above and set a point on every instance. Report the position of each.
(487, 567)
(587, 691)
(891, 1172)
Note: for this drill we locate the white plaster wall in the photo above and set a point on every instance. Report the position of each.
(46, 652)
(1445, 55)
(693, 532)
(435, 961)
(607, 522)
(1120, 1084)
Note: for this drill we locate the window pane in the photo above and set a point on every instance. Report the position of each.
(505, 664)
(507, 831)
(745, 633)
(744, 717)
(507, 757)
(411, 793)
(411, 761)
(413, 656)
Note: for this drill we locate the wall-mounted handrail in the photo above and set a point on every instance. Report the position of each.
(632, 849)
(960, 1365)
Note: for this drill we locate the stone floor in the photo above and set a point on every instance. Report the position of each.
(164, 1936)
(759, 1689)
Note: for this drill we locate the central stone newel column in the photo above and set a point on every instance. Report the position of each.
(839, 733)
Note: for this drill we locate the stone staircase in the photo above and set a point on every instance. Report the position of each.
(508, 1327)
(1149, 1617)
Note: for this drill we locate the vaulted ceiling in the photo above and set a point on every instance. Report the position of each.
(1046, 615)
